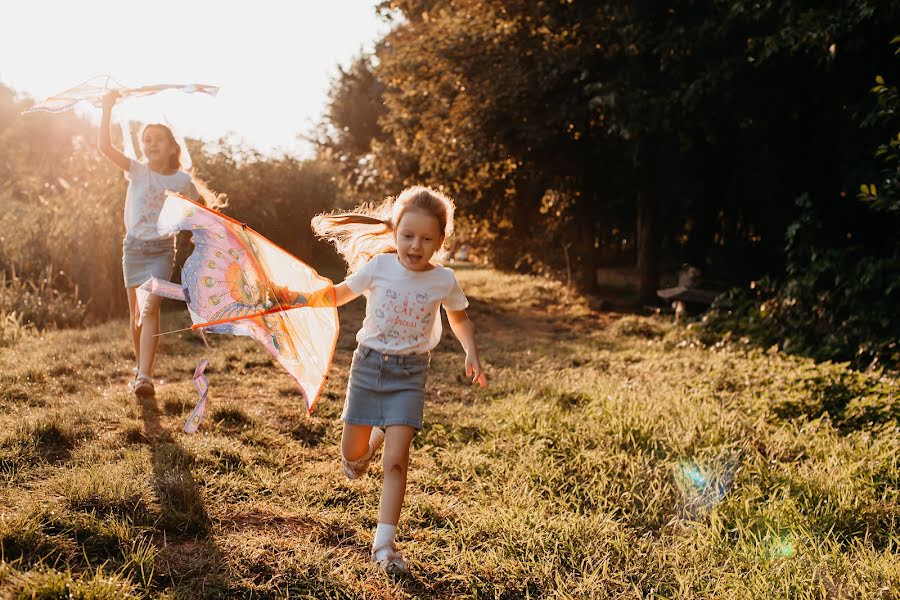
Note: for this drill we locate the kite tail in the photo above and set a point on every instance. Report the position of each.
(202, 385)
(157, 287)
(167, 289)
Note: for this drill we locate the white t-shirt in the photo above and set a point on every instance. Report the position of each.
(146, 195)
(402, 305)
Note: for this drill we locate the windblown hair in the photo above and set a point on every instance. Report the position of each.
(368, 230)
(175, 159)
(207, 196)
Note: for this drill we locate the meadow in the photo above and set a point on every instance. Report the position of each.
(613, 456)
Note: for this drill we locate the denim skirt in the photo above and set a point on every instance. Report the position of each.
(386, 389)
(143, 259)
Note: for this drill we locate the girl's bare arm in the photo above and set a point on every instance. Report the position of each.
(464, 330)
(104, 141)
(343, 294)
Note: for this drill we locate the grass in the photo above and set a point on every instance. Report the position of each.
(613, 457)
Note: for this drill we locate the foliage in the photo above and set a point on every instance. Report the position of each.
(61, 207)
(839, 298)
(27, 305)
(837, 303)
(885, 116)
(578, 121)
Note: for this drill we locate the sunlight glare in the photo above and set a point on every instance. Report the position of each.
(273, 62)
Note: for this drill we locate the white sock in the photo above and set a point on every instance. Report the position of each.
(384, 536)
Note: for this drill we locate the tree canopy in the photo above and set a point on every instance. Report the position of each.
(626, 131)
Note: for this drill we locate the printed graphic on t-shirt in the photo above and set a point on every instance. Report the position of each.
(154, 198)
(406, 320)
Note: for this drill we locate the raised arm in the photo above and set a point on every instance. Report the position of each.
(104, 141)
(464, 330)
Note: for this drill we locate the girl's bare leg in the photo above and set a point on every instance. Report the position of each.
(148, 340)
(396, 463)
(355, 441)
(133, 326)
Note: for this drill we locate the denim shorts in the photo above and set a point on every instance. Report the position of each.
(386, 389)
(143, 259)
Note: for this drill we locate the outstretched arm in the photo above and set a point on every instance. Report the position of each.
(104, 141)
(343, 294)
(319, 298)
(465, 332)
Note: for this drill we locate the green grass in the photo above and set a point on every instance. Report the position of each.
(613, 457)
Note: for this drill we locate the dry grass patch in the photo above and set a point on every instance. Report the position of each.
(611, 458)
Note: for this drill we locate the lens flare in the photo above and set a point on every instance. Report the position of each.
(702, 487)
(779, 545)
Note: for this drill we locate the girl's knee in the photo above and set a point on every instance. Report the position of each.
(396, 464)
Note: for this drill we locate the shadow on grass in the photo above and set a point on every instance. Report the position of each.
(188, 559)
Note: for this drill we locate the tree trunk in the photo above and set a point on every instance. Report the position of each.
(647, 240)
(714, 169)
(649, 172)
(587, 250)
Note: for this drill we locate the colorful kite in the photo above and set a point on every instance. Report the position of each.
(238, 282)
(95, 88)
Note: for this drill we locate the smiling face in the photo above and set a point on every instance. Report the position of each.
(418, 236)
(159, 147)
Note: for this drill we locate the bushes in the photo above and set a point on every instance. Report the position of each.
(840, 299)
(842, 306)
(61, 225)
(28, 305)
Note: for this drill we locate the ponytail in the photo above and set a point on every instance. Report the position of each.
(360, 235)
(369, 230)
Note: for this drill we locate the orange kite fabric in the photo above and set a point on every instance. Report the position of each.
(238, 282)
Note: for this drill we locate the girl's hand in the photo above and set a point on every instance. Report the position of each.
(475, 370)
(109, 99)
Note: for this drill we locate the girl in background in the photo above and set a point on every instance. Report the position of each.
(390, 251)
(145, 253)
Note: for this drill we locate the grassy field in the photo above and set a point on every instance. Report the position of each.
(613, 457)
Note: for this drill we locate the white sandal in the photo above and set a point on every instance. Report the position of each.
(143, 386)
(393, 562)
(354, 469)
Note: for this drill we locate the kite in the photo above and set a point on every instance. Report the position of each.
(95, 88)
(238, 282)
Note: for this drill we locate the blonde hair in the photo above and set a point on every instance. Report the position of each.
(368, 230)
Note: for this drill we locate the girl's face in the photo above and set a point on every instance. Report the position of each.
(158, 146)
(418, 236)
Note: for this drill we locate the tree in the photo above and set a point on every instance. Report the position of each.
(693, 124)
